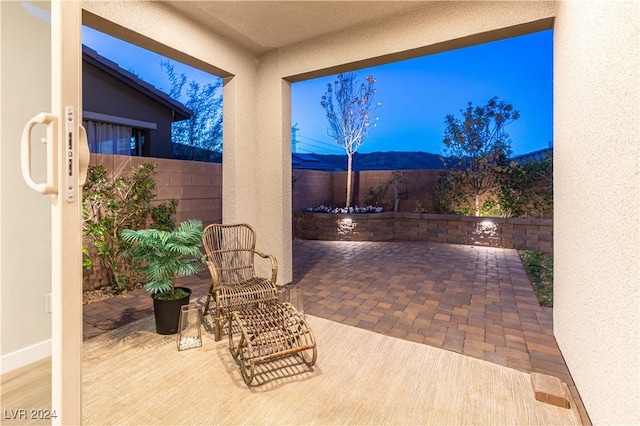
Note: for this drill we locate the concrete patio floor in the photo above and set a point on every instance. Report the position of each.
(476, 301)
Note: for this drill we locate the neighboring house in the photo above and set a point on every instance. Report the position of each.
(124, 115)
(538, 155)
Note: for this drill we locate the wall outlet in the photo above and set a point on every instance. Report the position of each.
(47, 303)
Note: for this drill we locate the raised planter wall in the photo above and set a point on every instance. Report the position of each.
(514, 233)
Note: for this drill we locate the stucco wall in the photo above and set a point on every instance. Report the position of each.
(597, 204)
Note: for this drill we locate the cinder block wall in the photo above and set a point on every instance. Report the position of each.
(196, 185)
(313, 188)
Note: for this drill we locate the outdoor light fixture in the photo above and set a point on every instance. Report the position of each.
(485, 233)
(346, 226)
(486, 227)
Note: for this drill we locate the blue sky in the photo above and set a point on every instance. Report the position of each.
(416, 94)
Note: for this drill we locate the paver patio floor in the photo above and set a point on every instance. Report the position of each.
(476, 301)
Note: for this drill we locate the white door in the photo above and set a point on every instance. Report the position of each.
(40, 212)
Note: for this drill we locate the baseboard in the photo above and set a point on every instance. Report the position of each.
(25, 356)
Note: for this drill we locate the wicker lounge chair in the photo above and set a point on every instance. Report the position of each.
(230, 252)
(275, 331)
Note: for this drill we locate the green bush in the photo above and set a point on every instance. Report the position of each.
(375, 196)
(112, 205)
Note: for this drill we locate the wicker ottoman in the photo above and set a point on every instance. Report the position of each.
(267, 333)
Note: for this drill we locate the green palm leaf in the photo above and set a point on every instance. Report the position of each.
(167, 254)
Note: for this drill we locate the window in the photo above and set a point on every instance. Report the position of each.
(115, 139)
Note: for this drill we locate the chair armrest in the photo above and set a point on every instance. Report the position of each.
(212, 270)
(274, 265)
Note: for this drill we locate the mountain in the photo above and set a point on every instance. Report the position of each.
(394, 160)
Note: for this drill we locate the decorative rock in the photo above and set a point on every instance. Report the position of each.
(190, 342)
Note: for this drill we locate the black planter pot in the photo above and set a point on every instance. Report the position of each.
(167, 313)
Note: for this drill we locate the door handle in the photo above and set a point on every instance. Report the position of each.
(83, 155)
(50, 120)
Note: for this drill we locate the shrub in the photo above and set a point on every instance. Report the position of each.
(375, 196)
(539, 267)
(112, 205)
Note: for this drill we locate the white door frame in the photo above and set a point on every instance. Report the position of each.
(66, 217)
(66, 149)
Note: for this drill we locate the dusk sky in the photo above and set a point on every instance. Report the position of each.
(416, 94)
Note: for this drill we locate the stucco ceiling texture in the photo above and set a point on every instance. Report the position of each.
(260, 26)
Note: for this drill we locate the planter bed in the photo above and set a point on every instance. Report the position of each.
(515, 233)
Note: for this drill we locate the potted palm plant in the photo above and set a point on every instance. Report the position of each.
(164, 255)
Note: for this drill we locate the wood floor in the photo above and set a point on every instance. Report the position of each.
(25, 396)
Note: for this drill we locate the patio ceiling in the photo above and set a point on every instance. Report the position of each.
(260, 26)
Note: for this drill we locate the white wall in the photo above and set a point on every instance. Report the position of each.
(25, 221)
(597, 204)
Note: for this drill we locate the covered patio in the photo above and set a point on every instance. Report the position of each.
(596, 203)
(468, 300)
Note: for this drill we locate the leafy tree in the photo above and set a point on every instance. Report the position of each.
(449, 194)
(375, 196)
(526, 190)
(349, 107)
(202, 133)
(400, 192)
(479, 144)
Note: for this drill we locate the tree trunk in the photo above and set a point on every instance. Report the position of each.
(477, 201)
(349, 181)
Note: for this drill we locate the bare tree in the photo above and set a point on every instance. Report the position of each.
(479, 144)
(349, 107)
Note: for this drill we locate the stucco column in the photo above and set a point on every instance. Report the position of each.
(273, 184)
(239, 168)
(256, 173)
(597, 204)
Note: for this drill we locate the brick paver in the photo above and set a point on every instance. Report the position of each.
(123, 309)
(475, 301)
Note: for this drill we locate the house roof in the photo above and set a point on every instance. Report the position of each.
(533, 156)
(113, 69)
(312, 162)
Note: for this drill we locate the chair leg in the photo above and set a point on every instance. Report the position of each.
(217, 323)
(206, 305)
